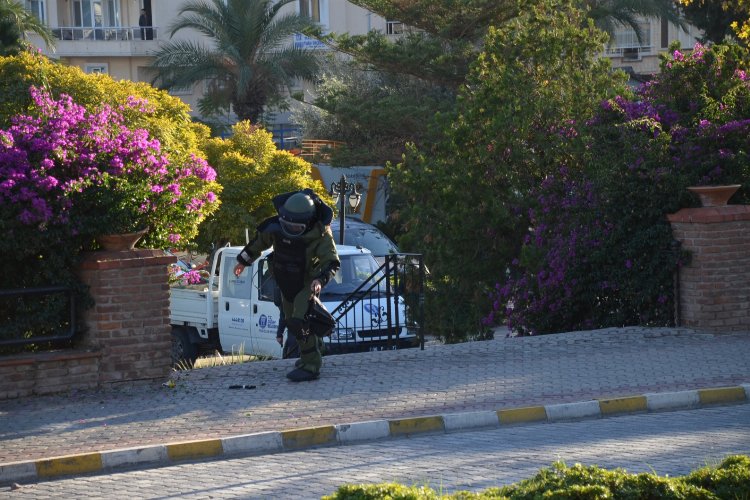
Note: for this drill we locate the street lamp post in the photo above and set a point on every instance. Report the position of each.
(344, 191)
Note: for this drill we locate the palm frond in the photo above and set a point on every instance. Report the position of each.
(26, 22)
(251, 53)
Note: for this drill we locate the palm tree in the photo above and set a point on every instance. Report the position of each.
(15, 22)
(610, 14)
(249, 62)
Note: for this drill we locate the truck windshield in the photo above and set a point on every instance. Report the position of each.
(355, 270)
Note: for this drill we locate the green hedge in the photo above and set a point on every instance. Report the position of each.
(728, 480)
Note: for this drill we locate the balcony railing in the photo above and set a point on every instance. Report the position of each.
(630, 53)
(106, 33)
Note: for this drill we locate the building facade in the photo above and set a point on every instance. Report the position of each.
(116, 36)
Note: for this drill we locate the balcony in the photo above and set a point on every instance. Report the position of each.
(105, 41)
(632, 53)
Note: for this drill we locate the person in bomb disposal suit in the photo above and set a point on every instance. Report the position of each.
(304, 260)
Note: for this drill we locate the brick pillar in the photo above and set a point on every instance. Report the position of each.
(714, 288)
(129, 323)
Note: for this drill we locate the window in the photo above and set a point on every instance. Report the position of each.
(317, 10)
(625, 42)
(266, 282)
(97, 68)
(625, 37)
(236, 287)
(96, 13)
(394, 28)
(310, 8)
(36, 7)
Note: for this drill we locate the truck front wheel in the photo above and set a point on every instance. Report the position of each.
(184, 352)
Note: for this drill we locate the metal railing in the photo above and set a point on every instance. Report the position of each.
(385, 311)
(315, 149)
(19, 307)
(106, 33)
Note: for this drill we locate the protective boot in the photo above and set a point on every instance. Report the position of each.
(308, 366)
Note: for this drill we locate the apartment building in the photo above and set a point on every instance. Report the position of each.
(104, 36)
(641, 58)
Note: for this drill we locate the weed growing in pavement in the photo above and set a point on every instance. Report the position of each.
(237, 356)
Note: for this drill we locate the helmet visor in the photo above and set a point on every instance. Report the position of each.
(292, 228)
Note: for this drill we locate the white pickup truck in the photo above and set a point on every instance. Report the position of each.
(237, 314)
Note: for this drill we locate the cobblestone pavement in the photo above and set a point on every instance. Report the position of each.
(672, 443)
(489, 375)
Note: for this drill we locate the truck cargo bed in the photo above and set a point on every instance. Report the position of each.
(194, 305)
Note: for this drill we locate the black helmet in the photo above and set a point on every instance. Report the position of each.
(296, 214)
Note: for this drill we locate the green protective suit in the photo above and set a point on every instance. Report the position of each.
(296, 263)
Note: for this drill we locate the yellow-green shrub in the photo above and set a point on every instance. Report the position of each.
(729, 479)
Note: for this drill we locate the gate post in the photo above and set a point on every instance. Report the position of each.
(714, 288)
(129, 322)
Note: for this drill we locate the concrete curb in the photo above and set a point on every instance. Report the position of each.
(342, 434)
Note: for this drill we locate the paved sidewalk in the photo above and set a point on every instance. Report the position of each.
(506, 373)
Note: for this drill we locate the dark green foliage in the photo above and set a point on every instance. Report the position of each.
(464, 198)
(10, 37)
(395, 86)
(714, 19)
(443, 45)
(731, 479)
(374, 114)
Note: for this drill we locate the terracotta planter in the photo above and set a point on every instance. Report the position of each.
(120, 242)
(714, 196)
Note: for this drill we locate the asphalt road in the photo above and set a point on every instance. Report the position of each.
(672, 443)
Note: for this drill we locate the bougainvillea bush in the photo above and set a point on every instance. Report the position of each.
(600, 252)
(68, 174)
(88, 173)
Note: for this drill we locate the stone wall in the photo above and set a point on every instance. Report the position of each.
(714, 288)
(126, 333)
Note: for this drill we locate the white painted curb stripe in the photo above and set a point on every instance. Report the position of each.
(470, 420)
(262, 442)
(129, 456)
(363, 431)
(568, 411)
(672, 400)
(17, 471)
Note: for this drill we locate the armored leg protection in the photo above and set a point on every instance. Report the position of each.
(308, 366)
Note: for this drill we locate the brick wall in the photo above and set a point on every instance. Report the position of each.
(47, 372)
(714, 288)
(127, 332)
(129, 324)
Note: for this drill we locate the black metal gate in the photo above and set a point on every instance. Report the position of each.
(385, 311)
